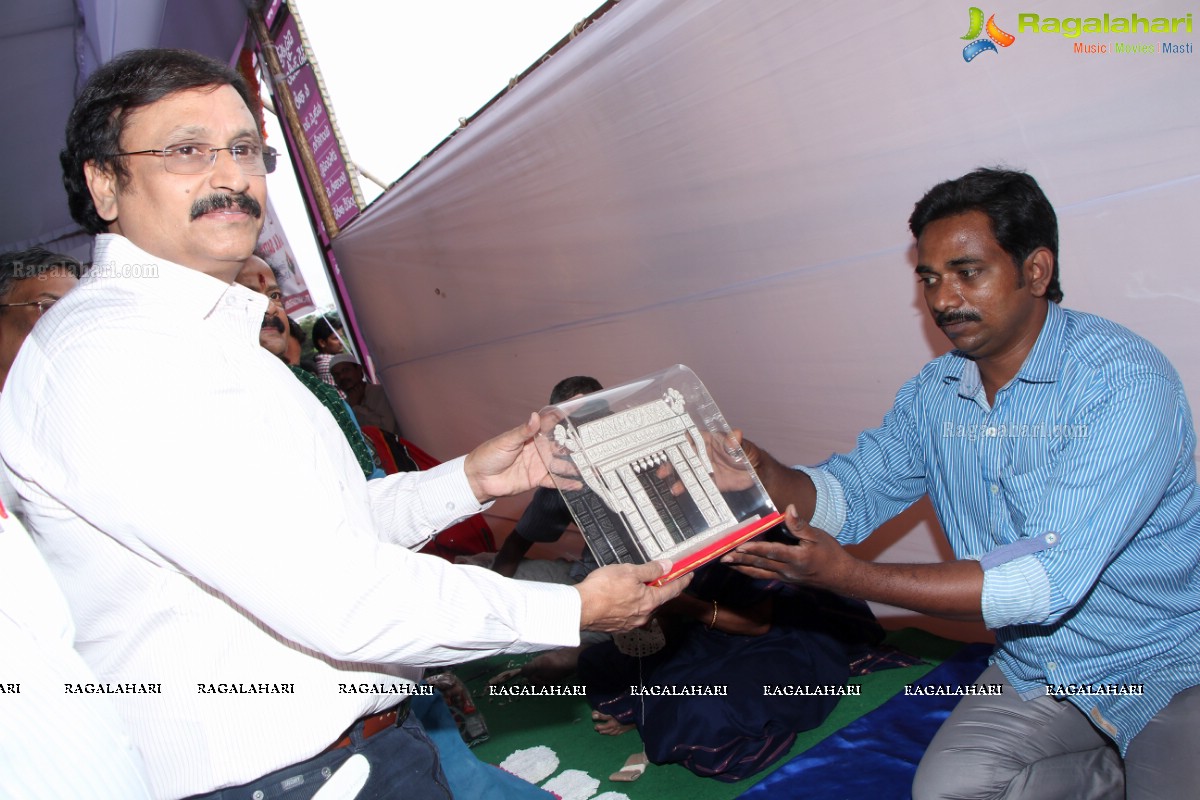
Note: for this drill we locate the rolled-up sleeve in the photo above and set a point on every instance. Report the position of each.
(1103, 487)
(1016, 592)
(829, 514)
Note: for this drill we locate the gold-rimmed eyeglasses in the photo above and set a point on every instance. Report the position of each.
(42, 305)
(196, 159)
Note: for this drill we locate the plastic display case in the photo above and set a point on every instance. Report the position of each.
(649, 472)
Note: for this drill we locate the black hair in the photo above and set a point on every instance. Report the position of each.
(569, 387)
(21, 264)
(1021, 216)
(130, 81)
(296, 332)
(322, 329)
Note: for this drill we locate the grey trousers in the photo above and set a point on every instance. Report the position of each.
(1006, 748)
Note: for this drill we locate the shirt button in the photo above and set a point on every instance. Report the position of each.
(1052, 666)
(1051, 538)
(450, 506)
(991, 431)
(995, 489)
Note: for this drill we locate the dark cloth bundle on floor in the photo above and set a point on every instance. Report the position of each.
(813, 638)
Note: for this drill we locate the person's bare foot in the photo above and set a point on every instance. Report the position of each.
(607, 725)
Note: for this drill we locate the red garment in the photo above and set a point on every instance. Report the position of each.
(465, 538)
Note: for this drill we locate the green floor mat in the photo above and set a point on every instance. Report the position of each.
(564, 725)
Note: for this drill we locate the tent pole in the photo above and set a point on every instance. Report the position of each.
(309, 162)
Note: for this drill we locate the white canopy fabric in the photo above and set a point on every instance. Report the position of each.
(726, 184)
(47, 50)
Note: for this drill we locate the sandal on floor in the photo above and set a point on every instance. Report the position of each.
(635, 765)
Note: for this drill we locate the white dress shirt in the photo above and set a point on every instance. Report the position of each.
(52, 744)
(209, 526)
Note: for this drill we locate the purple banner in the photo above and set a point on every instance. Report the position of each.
(314, 122)
(271, 12)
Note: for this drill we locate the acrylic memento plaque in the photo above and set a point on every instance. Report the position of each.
(649, 473)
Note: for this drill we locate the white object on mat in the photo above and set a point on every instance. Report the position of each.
(572, 784)
(533, 764)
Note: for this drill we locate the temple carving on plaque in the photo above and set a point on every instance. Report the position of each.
(634, 466)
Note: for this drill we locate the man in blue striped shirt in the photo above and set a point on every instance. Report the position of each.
(1058, 450)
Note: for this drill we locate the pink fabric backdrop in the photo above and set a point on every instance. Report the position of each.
(726, 185)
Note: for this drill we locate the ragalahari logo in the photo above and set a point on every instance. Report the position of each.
(994, 35)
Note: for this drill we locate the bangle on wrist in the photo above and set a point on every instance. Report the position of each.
(712, 623)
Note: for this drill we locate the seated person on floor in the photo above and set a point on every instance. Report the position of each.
(367, 400)
(1058, 451)
(327, 341)
(544, 521)
(547, 517)
(259, 276)
(735, 635)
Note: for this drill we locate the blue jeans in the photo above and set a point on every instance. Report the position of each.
(468, 776)
(404, 763)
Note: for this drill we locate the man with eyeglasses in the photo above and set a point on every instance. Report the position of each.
(260, 581)
(37, 757)
(30, 282)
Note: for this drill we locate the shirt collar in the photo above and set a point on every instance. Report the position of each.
(1042, 365)
(1044, 362)
(194, 293)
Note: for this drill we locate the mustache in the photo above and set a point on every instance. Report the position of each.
(945, 318)
(220, 202)
(272, 321)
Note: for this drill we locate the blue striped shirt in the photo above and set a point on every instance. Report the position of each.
(1076, 490)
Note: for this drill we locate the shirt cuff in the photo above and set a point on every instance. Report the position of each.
(1016, 592)
(448, 491)
(829, 514)
(553, 614)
